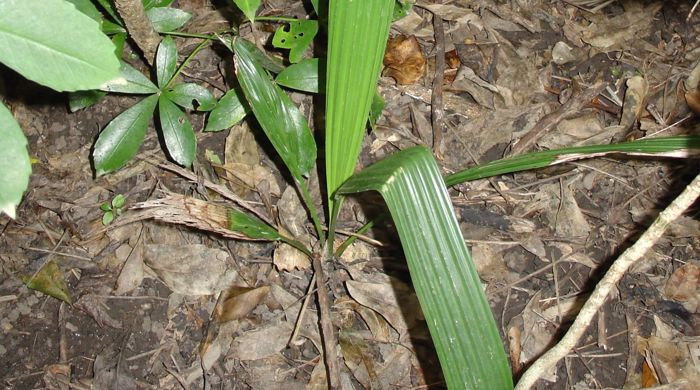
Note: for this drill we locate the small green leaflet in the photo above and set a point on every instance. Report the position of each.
(122, 137)
(49, 280)
(166, 61)
(166, 19)
(248, 7)
(252, 227)
(227, 112)
(177, 132)
(184, 94)
(302, 76)
(297, 37)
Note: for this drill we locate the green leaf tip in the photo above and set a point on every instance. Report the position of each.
(458, 315)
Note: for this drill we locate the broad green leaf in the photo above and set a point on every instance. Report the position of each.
(15, 167)
(52, 43)
(107, 217)
(314, 3)
(166, 61)
(132, 81)
(185, 94)
(227, 112)
(281, 120)
(273, 64)
(177, 132)
(458, 315)
(148, 4)
(83, 99)
(375, 110)
(302, 76)
(252, 227)
(297, 37)
(248, 7)
(118, 201)
(119, 39)
(122, 137)
(166, 19)
(88, 8)
(357, 34)
(681, 146)
(49, 280)
(109, 27)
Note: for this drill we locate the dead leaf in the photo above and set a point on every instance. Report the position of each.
(288, 258)
(384, 298)
(190, 269)
(57, 376)
(633, 105)
(49, 280)
(404, 59)
(108, 373)
(262, 342)
(358, 359)
(131, 274)
(96, 308)
(235, 303)
(682, 286)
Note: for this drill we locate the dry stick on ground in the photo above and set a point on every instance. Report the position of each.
(438, 112)
(329, 339)
(140, 27)
(608, 283)
(549, 121)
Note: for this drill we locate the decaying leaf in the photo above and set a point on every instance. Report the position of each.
(49, 280)
(262, 342)
(235, 303)
(96, 308)
(191, 269)
(131, 274)
(384, 298)
(404, 59)
(288, 258)
(633, 106)
(357, 357)
(683, 286)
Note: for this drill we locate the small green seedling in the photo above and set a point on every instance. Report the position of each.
(112, 209)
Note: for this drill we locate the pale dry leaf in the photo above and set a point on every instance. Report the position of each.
(131, 274)
(191, 269)
(537, 335)
(568, 219)
(357, 358)
(384, 298)
(633, 105)
(395, 370)
(618, 32)
(289, 258)
(489, 263)
(96, 308)
(568, 307)
(261, 342)
(108, 373)
(214, 346)
(235, 303)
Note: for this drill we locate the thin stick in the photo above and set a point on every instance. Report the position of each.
(438, 112)
(329, 339)
(608, 283)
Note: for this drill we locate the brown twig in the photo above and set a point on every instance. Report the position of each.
(139, 27)
(549, 121)
(436, 108)
(608, 283)
(329, 339)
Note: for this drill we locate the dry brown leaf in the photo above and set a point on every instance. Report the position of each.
(683, 286)
(537, 334)
(262, 342)
(289, 258)
(190, 269)
(131, 274)
(235, 303)
(358, 359)
(96, 308)
(404, 59)
(384, 298)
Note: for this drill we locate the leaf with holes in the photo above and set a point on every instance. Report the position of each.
(177, 132)
(297, 37)
(185, 94)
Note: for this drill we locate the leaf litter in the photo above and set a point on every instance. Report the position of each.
(155, 303)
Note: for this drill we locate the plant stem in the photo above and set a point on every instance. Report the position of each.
(348, 241)
(189, 35)
(187, 60)
(329, 339)
(306, 197)
(276, 19)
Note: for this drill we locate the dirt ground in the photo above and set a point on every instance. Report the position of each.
(144, 292)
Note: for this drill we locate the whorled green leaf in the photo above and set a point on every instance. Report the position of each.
(148, 4)
(273, 64)
(52, 43)
(15, 167)
(252, 227)
(280, 119)
(302, 76)
(83, 99)
(185, 94)
(177, 132)
(228, 111)
(49, 280)
(122, 137)
(375, 110)
(458, 315)
(132, 81)
(166, 19)
(681, 146)
(357, 34)
(297, 37)
(166, 61)
(248, 7)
